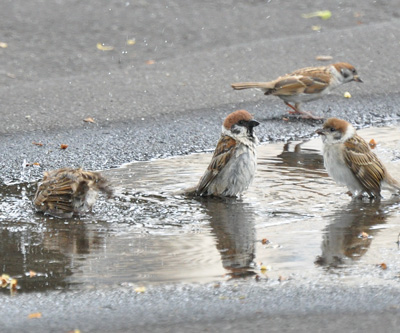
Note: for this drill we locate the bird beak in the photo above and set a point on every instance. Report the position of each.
(320, 131)
(357, 79)
(253, 123)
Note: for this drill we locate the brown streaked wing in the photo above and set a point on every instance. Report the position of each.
(222, 154)
(365, 165)
(55, 191)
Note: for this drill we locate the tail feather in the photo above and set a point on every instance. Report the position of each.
(265, 86)
(392, 184)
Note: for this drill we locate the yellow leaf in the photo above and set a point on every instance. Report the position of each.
(316, 27)
(324, 14)
(35, 315)
(13, 284)
(347, 94)
(5, 280)
(3, 45)
(89, 120)
(32, 273)
(131, 42)
(103, 47)
(140, 290)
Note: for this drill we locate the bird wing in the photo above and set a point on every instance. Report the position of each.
(365, 165)
(223, 152)
(55, 193)
(307, 82)
(59, 188)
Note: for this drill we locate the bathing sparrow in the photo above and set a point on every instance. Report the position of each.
(305, 84)
(234, 162)
(350, 161)
(67, 192)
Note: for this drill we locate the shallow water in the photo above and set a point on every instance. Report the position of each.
(151, 234)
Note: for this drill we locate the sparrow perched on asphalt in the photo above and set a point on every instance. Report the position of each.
(305, 84)
(350, 161)
(67, 192)
(234, 162)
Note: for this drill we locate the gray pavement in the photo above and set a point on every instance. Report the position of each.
(52, 76)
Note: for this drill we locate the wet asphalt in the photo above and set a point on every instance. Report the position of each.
(167, 94)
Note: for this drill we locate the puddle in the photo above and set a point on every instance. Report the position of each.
(150, 234)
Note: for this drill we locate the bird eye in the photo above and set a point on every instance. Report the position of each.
(241, 122)
(354, 71)
(332, 129)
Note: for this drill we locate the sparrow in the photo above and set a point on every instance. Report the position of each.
(350, 161)
(67, 192)
(305, 85)
(234, 162)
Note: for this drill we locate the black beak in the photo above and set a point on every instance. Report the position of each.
(252, 123)
(357, 79)
(320, 131)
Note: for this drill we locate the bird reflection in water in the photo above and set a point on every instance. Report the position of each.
(232, 223)
(308, 159)
(343, 239)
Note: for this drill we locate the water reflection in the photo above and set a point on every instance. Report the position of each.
(343, 240)
(40, 251)
(297, 157)
(232, 223)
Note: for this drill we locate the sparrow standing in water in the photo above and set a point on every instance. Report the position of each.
(67, 192)
(305, 85)
(350, 161)
(234, 162)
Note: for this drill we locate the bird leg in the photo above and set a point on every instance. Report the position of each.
(304, 114)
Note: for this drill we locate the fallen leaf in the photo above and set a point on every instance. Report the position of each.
(323, 14)
(3, 45)
(36, 163)
(347, 94)
(263, 269)
(264, 241)
(5, 280)
(63, 146)
(37, 143)
(150, 62)
(13, 284)
(32, 273)
(11, 75)
(383, 266)
(323, 57)
(102, 47)
(316, 27)
(372, 144)
(140, 290)
(89, 120)
(131, 42)
(35, 315)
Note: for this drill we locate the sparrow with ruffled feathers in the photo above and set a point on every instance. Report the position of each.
(350, 161)
(67, 192)
(234, 162)
(305, 85)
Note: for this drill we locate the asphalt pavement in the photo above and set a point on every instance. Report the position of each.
(154, 77)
